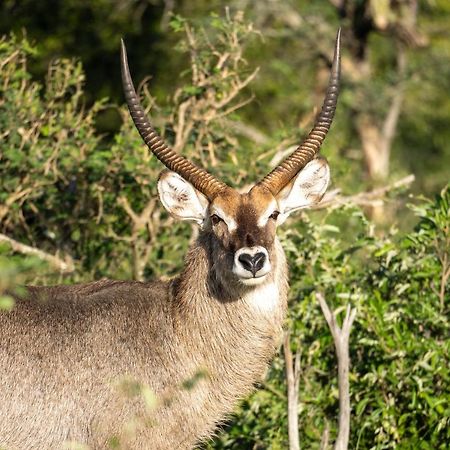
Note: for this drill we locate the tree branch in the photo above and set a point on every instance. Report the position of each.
(293, 381)
(389, 127)
(248, 131)
(339, 4)
(325, 437)
(140, 248)
(445, 274)
(341, 339)
(64, 266)
(334, 199)
(238, 85)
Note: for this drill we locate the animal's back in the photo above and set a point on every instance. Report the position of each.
(72, 358)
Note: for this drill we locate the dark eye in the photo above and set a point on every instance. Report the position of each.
(274, 215)
(215, 219)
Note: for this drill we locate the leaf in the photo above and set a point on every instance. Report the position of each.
(6, 303)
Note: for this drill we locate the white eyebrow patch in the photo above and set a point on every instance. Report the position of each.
(231, 223)
(262, 220)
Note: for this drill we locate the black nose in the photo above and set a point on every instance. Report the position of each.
(252, 263)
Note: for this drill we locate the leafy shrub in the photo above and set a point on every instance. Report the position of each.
(400, 377)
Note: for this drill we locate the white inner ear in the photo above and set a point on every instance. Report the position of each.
(181, 199)
(306, 189)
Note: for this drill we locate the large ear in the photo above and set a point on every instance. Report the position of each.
(181, 199)
(306, 189)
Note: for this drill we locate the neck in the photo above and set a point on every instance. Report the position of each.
(225, 329)
(207, 303)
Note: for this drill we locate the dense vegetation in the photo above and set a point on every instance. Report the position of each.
(88, 204)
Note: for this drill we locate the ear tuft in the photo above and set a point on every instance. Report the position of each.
(307, 188)
(180, 198)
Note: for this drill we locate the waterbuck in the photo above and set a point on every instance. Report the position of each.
(157, 365)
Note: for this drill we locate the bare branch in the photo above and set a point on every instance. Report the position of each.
(237, 88)
(246, 130)
(64, 266)
(334, 199)
(14, 197)
(222, 59)
(391, 120)
(377, 136)
(235, 107)
(445, 274)
(184, 126)
(325, 437)
(281, 147)
(169, 6)
(293, 380)
(193, 51)
(339, 4)
(140, 248)
(341, 339)
(123, 201)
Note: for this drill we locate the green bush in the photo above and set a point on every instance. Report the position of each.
(400, 376)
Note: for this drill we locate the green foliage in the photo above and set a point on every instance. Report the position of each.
(66, 191)
(91, 30)
(63, 187)
(47, 138)
(400, 351)
(14, 271)
(292, 51)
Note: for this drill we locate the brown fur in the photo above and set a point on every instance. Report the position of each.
(70, 355)
(246, 209)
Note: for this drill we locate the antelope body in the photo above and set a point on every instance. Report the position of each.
(158, 365)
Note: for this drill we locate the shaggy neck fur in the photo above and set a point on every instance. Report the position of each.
(234, 328)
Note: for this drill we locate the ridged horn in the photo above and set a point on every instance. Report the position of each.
(199, 178)
(307, 150)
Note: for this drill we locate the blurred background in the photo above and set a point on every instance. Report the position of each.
(394, 109)
(234, 86)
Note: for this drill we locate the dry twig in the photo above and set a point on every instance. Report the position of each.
(341, 339)
(293, 381)
(141, 248)
(246, 130)
(325, 437)
(64, 266)
(334, 199)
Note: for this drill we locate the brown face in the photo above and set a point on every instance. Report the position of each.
(244, 226)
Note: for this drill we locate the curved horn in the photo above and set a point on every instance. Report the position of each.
(199, 178)
(307, 150)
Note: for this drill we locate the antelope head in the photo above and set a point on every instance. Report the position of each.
(242, 226)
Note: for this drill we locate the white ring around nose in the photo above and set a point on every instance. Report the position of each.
(245, 275)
